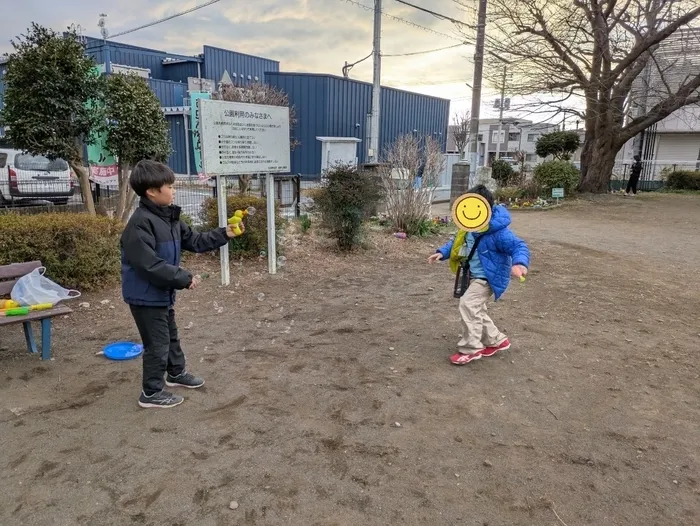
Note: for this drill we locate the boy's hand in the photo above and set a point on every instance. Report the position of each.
(519, 271)
(435, 257)
(231, 234)
(194, 283)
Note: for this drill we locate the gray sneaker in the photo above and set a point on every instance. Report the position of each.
(164, 399)
(185, 379)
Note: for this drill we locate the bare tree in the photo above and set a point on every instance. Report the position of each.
(627, 64)
(409, 175)
(258, 93)
(461, 126)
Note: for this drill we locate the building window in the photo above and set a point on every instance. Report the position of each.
(514, 136)
(480, 138)
(532, 137)
(495, 138)
(531, 157)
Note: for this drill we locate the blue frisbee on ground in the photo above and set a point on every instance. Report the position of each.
(123, 350)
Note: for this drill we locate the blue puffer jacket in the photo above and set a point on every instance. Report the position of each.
(498, 250)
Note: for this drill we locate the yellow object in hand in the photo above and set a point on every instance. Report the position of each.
(237, 218)
(522, 279)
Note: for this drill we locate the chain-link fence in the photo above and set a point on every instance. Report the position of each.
(50, 195)
(654, 173)
(191, 194)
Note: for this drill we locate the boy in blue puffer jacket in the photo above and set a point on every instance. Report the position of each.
(499, 254)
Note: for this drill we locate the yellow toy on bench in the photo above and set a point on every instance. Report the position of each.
(238, 217)
(22, 311)
(8, 304)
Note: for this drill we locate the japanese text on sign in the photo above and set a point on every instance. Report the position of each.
(242, 138)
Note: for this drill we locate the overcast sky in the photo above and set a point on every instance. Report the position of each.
(304, 35)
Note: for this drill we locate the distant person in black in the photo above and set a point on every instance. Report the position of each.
(634, 176)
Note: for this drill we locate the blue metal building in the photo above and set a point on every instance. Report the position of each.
(325, 105)
(3, 84)
(331, 106)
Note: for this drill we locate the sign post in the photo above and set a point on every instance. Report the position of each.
(237, 139)
(271, 233)
(558, 193)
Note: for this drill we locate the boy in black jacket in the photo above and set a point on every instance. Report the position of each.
(150, 246)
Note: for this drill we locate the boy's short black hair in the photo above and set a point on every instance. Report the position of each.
(150, 175)
(484, 192)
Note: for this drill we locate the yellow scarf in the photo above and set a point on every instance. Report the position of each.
(455, 258)
(460, 240)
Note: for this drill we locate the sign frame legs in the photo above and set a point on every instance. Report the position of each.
(223, 219)
(271, 236)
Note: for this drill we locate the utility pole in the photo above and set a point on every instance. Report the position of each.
(500, 113)
(373, 153)
(476, 90)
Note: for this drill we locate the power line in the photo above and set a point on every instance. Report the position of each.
(402, 20)
(436, 15)
(347, 67)
(165, 19)
(423, 52)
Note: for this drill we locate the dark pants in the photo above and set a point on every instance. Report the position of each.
(632, 184)
(161, 346)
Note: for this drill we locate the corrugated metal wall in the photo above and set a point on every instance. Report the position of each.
(128, 55)
(180, 71)
(169, 93)
(94, 50)
(404, 112)
(333, 106)
(238, 65)
(178, 157)
(309, 96)
(349, 103)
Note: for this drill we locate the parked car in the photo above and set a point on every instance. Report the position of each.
(25, 178)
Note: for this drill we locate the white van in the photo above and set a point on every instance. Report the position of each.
(25, 177)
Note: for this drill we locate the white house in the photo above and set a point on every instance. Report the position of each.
(517, 135)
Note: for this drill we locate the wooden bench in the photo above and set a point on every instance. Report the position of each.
(9, 274)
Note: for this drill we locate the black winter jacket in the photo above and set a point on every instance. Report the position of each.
(151, 245)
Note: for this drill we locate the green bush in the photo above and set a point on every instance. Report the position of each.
(305, 222)
(683, 180)
(78, 251)
(345, 202)
(254, 241)
(508, 193)
(557, 174)
(502, 172)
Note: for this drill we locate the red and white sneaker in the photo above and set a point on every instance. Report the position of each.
(490, 351)
(464, 359)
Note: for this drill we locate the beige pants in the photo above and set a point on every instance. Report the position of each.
(479, 330)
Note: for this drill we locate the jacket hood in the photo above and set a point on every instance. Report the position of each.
(500, 219)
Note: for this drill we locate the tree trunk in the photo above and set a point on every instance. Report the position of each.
(124, 188)
(83, 175)
(130, 198)
(243, 183)
(598, 161)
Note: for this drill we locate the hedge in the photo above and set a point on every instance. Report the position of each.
(683, 180)
(78, 251)
(557, 174)
(254, 241)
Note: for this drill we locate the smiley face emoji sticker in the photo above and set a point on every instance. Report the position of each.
(471, 213)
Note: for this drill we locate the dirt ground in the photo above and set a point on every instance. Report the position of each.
(331, 400)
